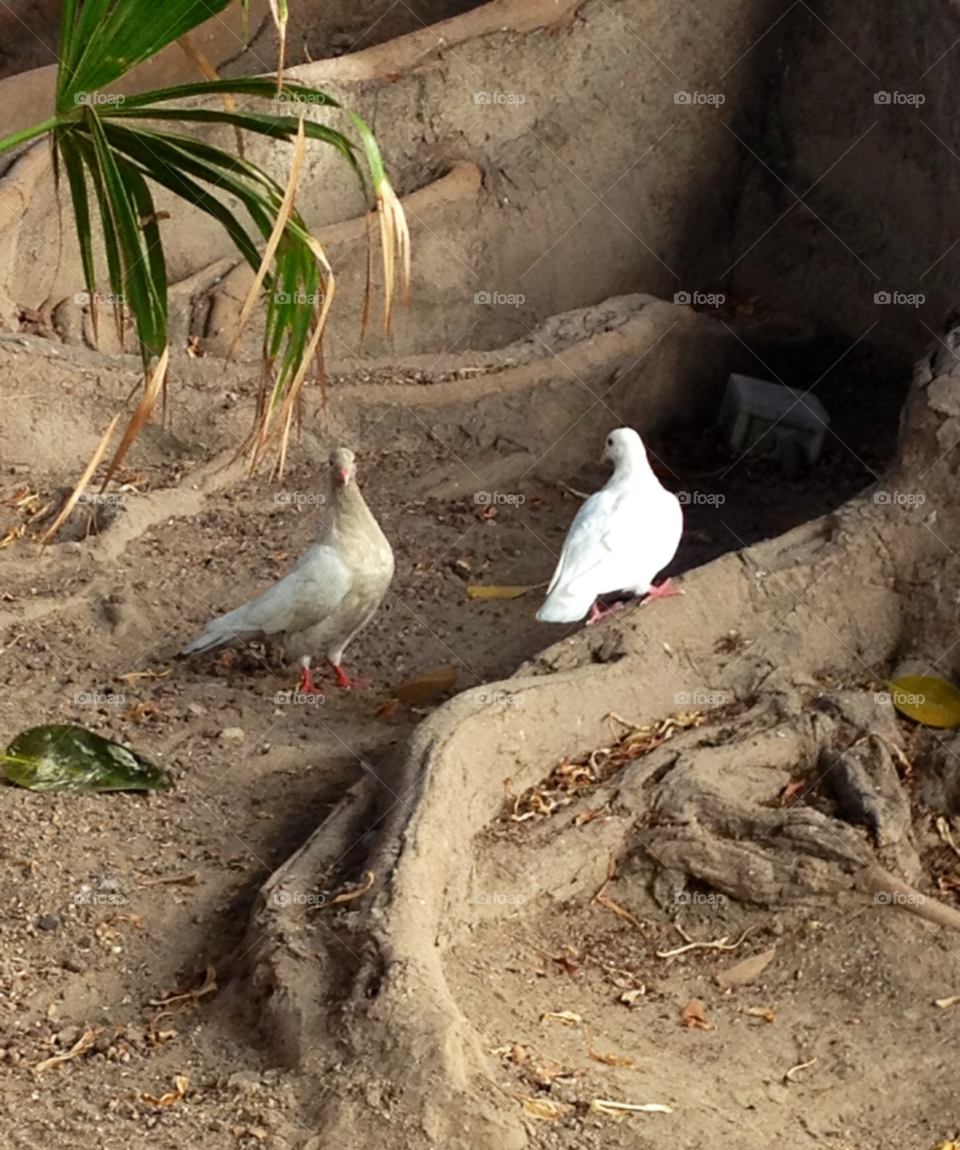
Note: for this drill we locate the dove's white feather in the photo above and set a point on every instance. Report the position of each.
(621, 537)
(331, 593)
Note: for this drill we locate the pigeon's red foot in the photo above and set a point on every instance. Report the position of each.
(306, 685)
(348, 684)
(598, 614)
(664, 590)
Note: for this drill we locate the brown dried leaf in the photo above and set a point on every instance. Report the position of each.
(621, 912)
(190, 879)
(567, 1017)
(588, 816)
(419, 688)
(177, 996)
(257, 1132)
(792, 793)
(132, 677)
(135, 920)
(618, 1109)
(81, 1046)
(612, 1059)
(546, 1109)
(745, 972)
(140, 712)
(767, 1013)
(695, 1016)
(172, 1097)
(389, 709)
(948, 882)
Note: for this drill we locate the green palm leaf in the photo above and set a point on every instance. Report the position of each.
(114, 151)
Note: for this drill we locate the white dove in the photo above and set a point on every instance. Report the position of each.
(332, 592)
(621, 537)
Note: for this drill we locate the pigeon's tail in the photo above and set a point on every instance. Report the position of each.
(223, 630)
(559, 608)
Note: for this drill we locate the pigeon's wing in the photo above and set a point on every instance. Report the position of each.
(603, 530)
(312, 590)
(618, 541)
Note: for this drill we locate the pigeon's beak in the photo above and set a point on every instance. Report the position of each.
(344, 475)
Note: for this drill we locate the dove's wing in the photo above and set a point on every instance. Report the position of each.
(619, 540)
(311, 591)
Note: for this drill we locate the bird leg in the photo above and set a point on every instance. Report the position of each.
(664, 590)
(598, 613)
(306, 685)
(348, 684)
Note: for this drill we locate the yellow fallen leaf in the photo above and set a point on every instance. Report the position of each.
(477, 591)
(946, 1003)
(419, 688)
(926, 699)
(546, 1109)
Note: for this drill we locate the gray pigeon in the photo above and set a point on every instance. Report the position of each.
(332, 592)
(620, 538)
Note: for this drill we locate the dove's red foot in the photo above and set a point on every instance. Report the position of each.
(306, 684)
(598, 614)
(348, 684)
(664, 590)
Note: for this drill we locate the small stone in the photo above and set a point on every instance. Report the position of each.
(244, 1080)
(73, 964)
(196, 709)
(68, 1036)
(232, 735)
(49, 921)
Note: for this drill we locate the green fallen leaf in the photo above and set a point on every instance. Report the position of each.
(62, 757)
(933, 702)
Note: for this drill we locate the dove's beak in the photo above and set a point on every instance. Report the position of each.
(344, 475)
